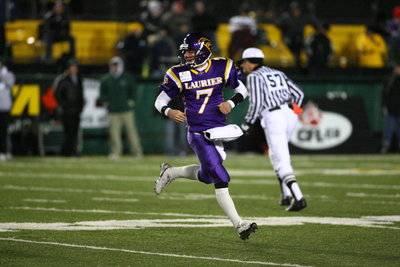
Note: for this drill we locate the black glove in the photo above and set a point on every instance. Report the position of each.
(246, 127)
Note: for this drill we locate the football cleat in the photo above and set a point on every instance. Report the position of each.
(297, 205)
(245, 229)
(164, 180)
(285, 201)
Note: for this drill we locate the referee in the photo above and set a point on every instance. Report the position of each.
(276, 100)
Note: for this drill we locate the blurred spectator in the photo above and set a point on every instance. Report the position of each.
(318, 48)
(69, 95)
(379, 23)
(117, 94)
(391, 110)
(7, 81)
(133, 49)
(204, 22)
(183, 30)
(175, 17)
(243, 29)
(175, 133)
(292, 26)
(393, 27)
(151, 18)
(57, 29)
(163, 53)
(371, 49)
(8, 12)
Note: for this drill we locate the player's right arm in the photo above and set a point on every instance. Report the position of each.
(161, 105)
(170, 88)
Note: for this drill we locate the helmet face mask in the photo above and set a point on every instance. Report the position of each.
(200, 45)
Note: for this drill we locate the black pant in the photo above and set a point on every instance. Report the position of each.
(4, 121)
(70, 127)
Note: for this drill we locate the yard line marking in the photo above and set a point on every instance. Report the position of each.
(115, 212)
(115, 199)
(363, 201)
(171, 196)
(347, 185)
(236, 181)
(78, 176)
(144, 166)
(192, 196)
(362, 194)
(47, 189)
(345, 158)
(383, 222)
(65, 165)
(318, 184)
(355, 172)
(44, 200)
(233, 172)
(152, 253)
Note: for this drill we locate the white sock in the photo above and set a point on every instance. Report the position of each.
(286, 191)
(290, 181)
(188, 172)
(226, 203)
(296, 191)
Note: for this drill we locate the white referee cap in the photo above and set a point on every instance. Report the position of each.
(252, 52)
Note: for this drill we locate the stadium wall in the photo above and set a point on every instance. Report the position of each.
(357, 102)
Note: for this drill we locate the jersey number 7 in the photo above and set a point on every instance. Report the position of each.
(207, 93)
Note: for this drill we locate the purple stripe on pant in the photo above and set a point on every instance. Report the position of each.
(211, 169)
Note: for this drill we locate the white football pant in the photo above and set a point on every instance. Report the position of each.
(278, 126)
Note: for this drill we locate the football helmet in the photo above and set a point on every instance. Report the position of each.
(200, 44)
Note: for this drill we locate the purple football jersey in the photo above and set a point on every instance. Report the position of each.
(202, 92)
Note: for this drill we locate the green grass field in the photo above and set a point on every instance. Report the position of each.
(90, 211)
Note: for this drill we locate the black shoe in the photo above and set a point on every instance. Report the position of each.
(246, 229)
(297, 205)
(285, 201)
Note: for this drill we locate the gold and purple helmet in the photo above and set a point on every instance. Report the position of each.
(199, 43)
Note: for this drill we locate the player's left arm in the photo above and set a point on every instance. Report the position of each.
(232, 78)
(240, 95)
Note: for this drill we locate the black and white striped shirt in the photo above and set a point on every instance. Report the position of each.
(270, 88)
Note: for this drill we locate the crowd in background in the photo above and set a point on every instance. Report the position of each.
(165, 23)
(151, 50)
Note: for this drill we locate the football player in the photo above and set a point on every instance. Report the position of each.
(200, 81)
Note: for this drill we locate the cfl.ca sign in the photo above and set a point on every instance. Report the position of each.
(318, 130)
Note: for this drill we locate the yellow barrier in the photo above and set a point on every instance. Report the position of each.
(96, 41)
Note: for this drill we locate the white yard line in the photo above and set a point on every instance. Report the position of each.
(70, 166)
(148, 166)
(267, 181)
(233, 173)
(77, 176)
(362, 194)
(115, 199)
(46, 189)
(383, 222)
(375, 202)
(189, 196)
(151, 253)
(338, 172)
(114, 212)
(44, 200)
(193, 196)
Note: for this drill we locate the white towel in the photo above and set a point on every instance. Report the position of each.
(226, 133)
